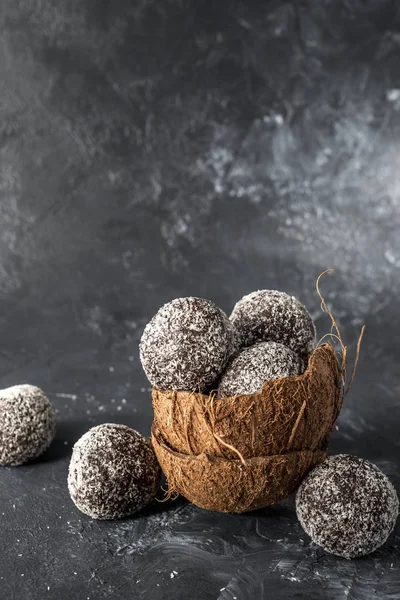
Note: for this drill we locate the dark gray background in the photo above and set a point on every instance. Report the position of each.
(156, 149)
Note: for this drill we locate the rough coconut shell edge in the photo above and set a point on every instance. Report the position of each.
(290, 414)
(231, 486)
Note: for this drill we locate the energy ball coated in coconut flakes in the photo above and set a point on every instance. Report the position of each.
(269, 315)
(248, 371)
(186, 345)
(27, 424)
(347, 506)
(113, 472)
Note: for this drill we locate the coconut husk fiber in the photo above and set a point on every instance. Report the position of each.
(286, 415)
(232, 486)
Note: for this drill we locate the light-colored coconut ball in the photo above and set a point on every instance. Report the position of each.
(247, 372)
(113, 472)
(27, 424)
(269, 315)
(347, 506)
(186, 345)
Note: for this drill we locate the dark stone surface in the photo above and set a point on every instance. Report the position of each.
(150, 150)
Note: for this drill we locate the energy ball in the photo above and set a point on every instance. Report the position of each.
(186, 345)
(27, 424)
(269, 315)
(247, 372)
(113, 472)
(347, 506)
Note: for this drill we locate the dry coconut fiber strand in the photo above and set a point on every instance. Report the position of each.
(245, 452)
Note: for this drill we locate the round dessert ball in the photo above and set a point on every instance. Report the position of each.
(347, 506)
(27, 424)
(186, 345)
(269, 315)
(113, 472)
(247, 372)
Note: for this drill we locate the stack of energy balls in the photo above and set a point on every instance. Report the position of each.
(346, 504)
(191, 345)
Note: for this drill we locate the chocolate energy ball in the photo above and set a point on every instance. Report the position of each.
(347, 506)
(113, 472)
(186, 345)
(27, 424)
(247, 372)
(269, 315)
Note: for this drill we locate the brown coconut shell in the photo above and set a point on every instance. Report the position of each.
(288, 415)
(233, 486)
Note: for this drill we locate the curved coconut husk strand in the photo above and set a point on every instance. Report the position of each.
(338, 337)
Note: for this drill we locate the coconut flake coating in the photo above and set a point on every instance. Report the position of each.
(186, 345)
(113, 472)
(247, 372)
(269, 315)
(347, 506)
(27, 424)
